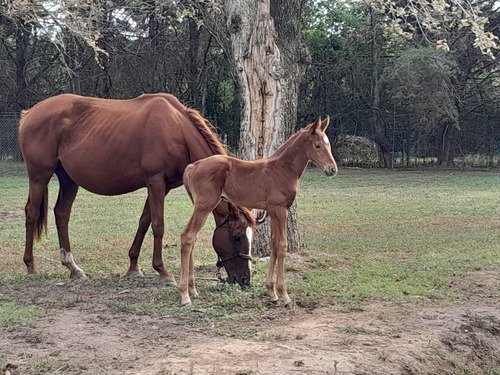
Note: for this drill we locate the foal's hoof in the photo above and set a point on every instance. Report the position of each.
(168, 281)
(273, 302)
(131, 274)
(77, 274)
(187, 304)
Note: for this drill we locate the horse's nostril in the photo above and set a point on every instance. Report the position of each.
(244, 281)
(332, 171)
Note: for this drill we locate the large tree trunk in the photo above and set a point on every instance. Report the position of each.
(270, 62)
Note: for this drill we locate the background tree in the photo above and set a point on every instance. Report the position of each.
(270, 61)
(196, 50)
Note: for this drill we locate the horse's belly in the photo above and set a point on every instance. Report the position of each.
(105, 181)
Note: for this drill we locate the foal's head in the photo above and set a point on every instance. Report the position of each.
(232, 240)
(318, 147)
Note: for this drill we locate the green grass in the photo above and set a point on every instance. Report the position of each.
(398, 235)
(13, 313)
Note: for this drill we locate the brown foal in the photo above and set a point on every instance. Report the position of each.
(269, 184)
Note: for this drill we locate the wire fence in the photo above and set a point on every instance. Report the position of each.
(9, 145)
(353, 151)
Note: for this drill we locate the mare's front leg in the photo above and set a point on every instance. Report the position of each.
(62, 211)
(135, 249)
(156, 198)
(278, 255)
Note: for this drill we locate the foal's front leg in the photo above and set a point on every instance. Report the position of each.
(278, 255)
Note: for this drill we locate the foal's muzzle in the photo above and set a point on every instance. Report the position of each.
(330, 170)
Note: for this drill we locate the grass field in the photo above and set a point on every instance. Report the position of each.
(370, 238)
(365, 234)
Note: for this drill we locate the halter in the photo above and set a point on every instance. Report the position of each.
(220, 261)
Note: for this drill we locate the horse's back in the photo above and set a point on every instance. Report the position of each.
(103, 143)
(69, 118)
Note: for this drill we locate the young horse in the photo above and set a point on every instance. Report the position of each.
(268, 184)
(112, 147)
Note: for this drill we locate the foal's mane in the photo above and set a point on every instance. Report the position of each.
(207, 131)
(285, 145)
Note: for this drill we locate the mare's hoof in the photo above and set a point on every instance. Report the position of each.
(168, 281)
(138, 273)
(187, 304)
(289, 304)
(78, 274)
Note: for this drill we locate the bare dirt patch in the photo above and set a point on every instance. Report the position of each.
(380, 338)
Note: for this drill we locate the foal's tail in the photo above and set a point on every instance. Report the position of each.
(186, 180)
(41, 222)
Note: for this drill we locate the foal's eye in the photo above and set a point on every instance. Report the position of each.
(236, 238)
(317, 145)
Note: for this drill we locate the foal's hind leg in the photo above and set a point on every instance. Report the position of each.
(188, 238)
(62, 211)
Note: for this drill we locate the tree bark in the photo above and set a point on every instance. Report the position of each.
(270, 62)
(380, 131)
(194, 45)
(446, 157)
(22, 35)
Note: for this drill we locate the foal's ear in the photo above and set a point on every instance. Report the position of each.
(325, 123)
(316, 125)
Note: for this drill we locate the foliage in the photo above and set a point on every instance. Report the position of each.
(122, 48)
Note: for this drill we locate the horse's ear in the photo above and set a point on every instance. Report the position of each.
(233, 211)
(316, 125)
(325, 123)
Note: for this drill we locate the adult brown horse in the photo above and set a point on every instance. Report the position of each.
(268, 184)
(113, 147)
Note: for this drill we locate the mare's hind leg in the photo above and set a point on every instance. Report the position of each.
(36, 213)
(62, 210)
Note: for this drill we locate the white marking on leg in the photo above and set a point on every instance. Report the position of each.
(325, 138)
(249, 233)
(68, 261)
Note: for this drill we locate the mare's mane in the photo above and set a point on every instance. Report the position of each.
(207, 131)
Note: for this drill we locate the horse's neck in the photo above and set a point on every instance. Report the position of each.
(293, 156)
(198, 147)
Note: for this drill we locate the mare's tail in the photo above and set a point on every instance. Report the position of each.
(41, 222)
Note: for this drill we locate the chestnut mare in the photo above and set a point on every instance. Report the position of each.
(268, 184)
(113, 147)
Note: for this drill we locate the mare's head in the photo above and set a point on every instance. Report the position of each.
(318, 148)
(232, 240)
